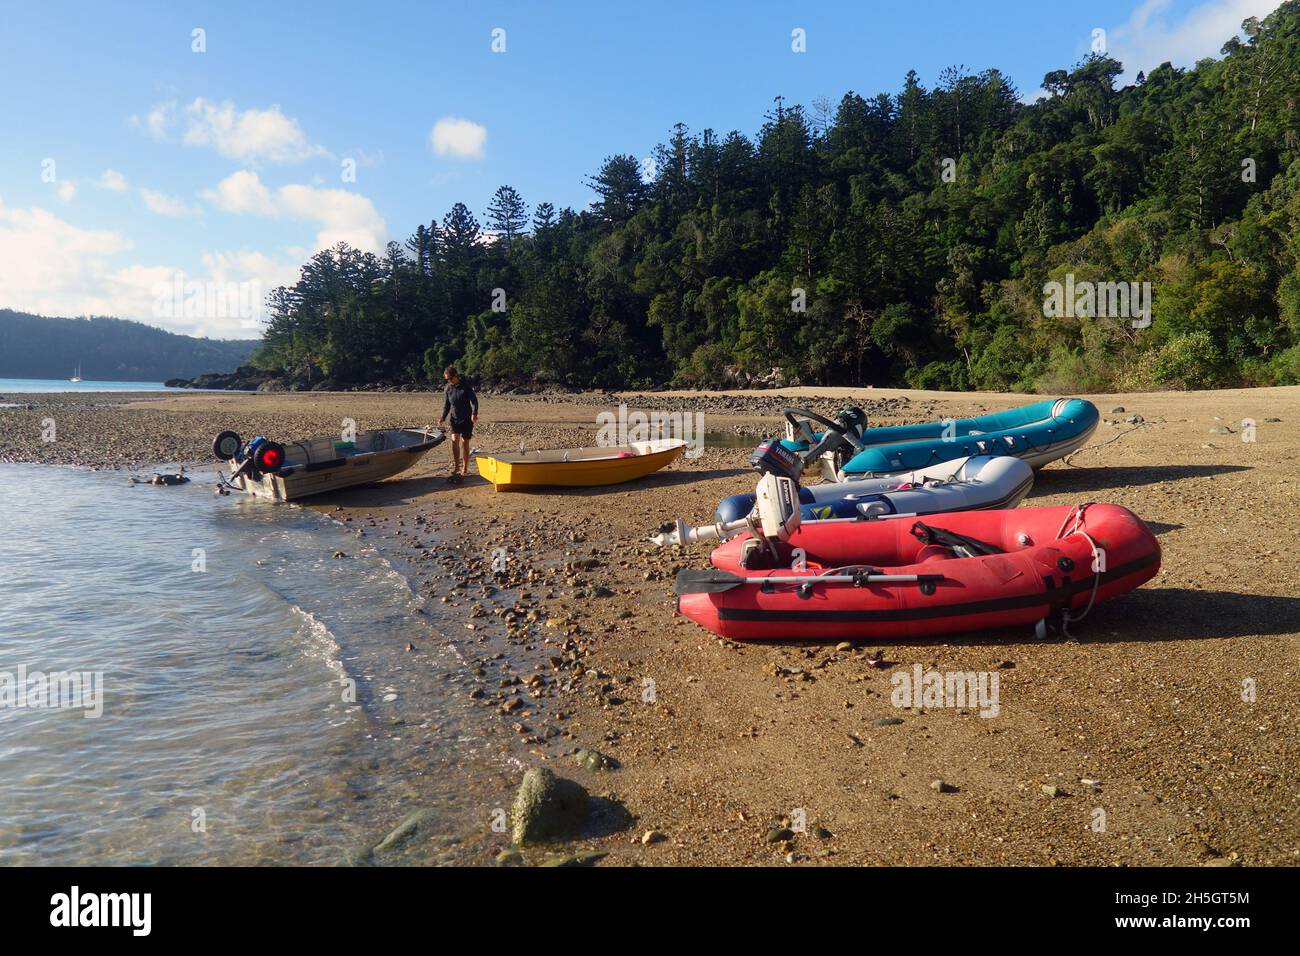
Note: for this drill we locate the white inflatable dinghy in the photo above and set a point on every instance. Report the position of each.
(976, 483)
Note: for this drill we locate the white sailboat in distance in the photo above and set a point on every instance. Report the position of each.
(76, 376)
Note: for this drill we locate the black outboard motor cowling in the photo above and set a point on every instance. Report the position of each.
(854, 419)
(772, 457)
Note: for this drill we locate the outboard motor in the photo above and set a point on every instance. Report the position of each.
(835, 450)
(772, 513)
(776, 457)
(778, 517)
(853, 419)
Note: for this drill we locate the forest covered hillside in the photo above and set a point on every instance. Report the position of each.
(943, 236)
(108, 350)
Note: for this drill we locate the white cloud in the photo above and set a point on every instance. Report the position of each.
(112, 180)
(157, 121)
(1149, 38)
(242, 192)
(458, 138)
(224, 299)
(237, 265)
(67, 190)
(53, 267)
(343, 216)
(248, 135)
(50, 266)
(165, 205)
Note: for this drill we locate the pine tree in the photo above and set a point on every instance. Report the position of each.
(507, 214)
(460, 233)
(620, 188)
(543, 217)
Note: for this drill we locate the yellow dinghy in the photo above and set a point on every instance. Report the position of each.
(579, 467)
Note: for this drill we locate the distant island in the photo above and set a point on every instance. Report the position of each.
(109, 350)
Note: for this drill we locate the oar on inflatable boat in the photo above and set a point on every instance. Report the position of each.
(691, 581)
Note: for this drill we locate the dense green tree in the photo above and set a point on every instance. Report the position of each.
(904, 237)
(620, 189)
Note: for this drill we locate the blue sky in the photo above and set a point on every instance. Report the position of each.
(128, 160)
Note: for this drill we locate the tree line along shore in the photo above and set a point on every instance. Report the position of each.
(898, 239)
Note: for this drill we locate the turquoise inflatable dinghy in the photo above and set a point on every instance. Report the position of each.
(1038, 433)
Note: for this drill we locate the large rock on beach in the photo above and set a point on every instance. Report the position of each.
(547, 808)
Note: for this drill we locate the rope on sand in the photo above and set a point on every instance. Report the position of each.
(1142, 424)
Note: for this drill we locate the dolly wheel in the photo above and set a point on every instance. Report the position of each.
(269, 457)
(226, 445)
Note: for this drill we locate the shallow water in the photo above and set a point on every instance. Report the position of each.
(25, 385)
(729, 440)
(258, 703)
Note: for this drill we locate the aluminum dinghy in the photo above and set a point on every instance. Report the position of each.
(293, 470)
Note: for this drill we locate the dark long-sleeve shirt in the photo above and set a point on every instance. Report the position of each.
(460, 401)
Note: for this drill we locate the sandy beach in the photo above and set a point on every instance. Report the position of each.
(721, 747)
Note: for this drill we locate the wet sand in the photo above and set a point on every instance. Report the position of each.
(720, 744)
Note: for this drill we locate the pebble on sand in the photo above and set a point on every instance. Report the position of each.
(594, 760)
(585, 858)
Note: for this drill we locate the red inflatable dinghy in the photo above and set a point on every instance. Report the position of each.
(909, 578)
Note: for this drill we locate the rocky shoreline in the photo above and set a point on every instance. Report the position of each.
(692, 749)
(248, 378)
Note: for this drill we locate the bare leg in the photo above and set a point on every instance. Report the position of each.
(464, 456)
(455, 454)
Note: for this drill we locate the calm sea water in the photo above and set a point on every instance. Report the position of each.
(63, 385)
(227, 638)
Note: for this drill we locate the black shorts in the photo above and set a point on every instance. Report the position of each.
(463, 429)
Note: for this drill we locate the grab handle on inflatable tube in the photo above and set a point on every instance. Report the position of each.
(692, 581)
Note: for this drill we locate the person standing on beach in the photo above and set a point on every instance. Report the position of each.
(461, 403)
